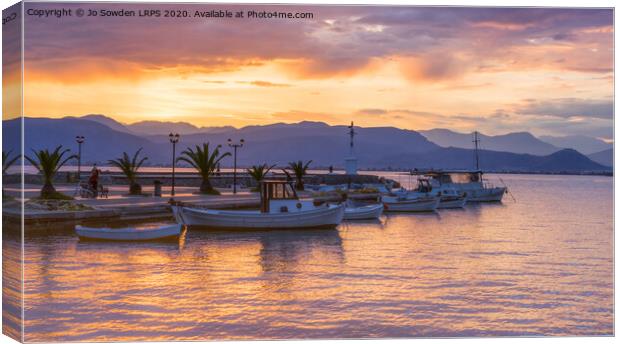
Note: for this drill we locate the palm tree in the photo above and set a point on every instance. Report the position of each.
(6, 162)
(204, 162)
(300, 170)
(48, 163)
(258, 172)
(130, 168)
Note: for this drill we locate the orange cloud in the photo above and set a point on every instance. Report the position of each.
(261, 83)
(434, 67)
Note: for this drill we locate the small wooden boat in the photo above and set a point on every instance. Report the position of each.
(452, 202)
(449, 198)
(280, 209)
(365, 212)
(129, 233)
(410, 204)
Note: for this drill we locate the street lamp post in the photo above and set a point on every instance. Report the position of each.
(79, 139)
(235, 146)
(174, 138)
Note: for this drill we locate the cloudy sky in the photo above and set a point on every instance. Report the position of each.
(498, 70)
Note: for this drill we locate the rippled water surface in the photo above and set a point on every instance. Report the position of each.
(540, 266)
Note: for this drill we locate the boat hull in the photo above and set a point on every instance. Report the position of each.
(486, 195)
(328, 217)
(129, 234)
(415, 205)
(367, 212)
(452, 203)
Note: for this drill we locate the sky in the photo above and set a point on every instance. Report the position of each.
(548, 71)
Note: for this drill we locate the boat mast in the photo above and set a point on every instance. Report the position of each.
(351, 134)
(476, 141)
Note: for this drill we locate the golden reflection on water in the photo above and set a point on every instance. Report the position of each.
(541, 266)
(11, 283)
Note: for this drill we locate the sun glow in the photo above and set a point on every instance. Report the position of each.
(334, 72)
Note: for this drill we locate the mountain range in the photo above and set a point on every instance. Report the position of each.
(521, 142)
(584, 144)
(605, 157)
(279, 143)
(517, 142)
(154, 127)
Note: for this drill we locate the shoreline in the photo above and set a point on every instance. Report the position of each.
(122, 207)
(38, 220)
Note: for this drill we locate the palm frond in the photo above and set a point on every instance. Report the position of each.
(202, 159)
(129, 166)
(48, 163)
(258, 172)
(7, 162)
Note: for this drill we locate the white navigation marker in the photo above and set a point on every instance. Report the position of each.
(351, 160)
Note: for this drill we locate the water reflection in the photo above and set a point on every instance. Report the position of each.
(541, 266)
(11, 280)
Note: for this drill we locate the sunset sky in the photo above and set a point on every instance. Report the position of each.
(547, 71)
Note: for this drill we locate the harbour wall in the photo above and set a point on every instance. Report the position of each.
(191, 179)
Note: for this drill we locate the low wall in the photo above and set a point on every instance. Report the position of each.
(190, 179)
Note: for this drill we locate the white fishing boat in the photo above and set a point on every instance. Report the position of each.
(410, 202)
(364, 212)
(281, 208)
(129, 233)
(449, 198)
(468, 182)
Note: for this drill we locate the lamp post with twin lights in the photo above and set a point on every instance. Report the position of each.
(235, 145)
(174, 139)
(79, 139)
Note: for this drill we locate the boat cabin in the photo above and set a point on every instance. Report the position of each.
(424, 185)
(452, 177)
(275, 190)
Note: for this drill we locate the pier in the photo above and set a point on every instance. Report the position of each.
(119, 206)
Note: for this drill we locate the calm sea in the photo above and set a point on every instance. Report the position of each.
(542, 265)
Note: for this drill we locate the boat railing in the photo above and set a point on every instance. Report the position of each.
(488, 185)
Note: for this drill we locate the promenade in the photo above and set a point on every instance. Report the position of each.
(122, 206)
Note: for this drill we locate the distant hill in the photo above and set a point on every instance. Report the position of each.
(520, 142)
(162, 128)
(605, 157)
(325, 145)
(566, 160)
(107, 121)
(583, 144)
(149, 128)
(279, 143)
(102, 143)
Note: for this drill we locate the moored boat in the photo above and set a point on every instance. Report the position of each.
(468, 182)
(449, 198)
(129, 233)
(410, 203)
(364, 212)
(281, 208)
(452, 201)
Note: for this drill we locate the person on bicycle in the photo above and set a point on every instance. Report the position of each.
(93, 180)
